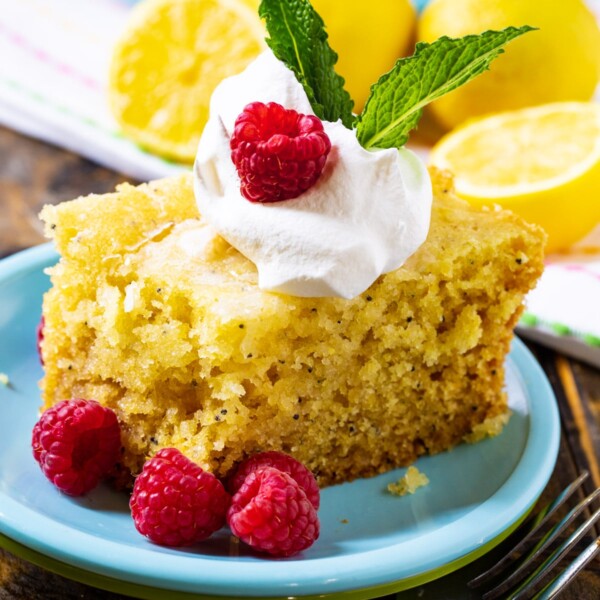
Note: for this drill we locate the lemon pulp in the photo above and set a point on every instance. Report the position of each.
(169, 59)
(542, 162)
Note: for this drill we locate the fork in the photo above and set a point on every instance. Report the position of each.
(528, 578)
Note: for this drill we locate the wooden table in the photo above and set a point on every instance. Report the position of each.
(33, 174)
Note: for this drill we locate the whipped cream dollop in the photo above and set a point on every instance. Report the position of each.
(366, 214)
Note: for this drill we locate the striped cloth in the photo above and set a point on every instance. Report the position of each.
(53, 78)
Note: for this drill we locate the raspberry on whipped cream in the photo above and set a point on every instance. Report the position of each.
(365, 215)
(278, 152)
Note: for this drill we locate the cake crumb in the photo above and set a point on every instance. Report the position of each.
(4, 380)
(489, 428)
(412, 480)
(132, 296)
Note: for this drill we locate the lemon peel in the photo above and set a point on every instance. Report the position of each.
(560, 62)
(367, 36)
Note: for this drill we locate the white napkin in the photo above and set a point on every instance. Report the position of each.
(563, 311)
(53, 80)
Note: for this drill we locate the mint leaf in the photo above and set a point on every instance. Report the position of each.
(394, 105)
(297, 37)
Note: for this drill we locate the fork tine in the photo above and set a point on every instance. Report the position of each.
(560, 583)
(535, 525)
(531, 582)
(528, 563)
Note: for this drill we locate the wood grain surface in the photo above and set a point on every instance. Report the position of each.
(33, 173)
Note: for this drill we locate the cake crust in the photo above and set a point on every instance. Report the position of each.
(155, 316)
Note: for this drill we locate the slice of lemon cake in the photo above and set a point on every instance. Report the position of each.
(158, 318)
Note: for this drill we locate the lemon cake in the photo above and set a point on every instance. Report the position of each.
(176, 337)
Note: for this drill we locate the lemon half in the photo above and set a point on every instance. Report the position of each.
(541, 162)
(167, 63)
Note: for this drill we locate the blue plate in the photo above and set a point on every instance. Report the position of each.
(372, 543)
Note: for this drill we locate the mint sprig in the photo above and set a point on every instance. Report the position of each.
(298, 38)
(396, 100)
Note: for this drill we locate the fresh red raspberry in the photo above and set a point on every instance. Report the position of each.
(40, 337)
(278, 153)
(175, 502)
(77, 443)
(278, 460)
(271, 513)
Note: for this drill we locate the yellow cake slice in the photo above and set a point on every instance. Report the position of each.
(155, 316)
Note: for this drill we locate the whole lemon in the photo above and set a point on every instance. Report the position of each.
(368, 38)
(559, 62)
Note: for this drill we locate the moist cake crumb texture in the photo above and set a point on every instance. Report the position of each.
(156, 317)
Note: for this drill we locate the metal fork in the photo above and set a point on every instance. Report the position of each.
(529, 580)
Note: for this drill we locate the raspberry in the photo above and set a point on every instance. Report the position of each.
(77, 443)
(278, 460)
(278, 153)
(175, 502)
(40, 337)
(271, 513)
